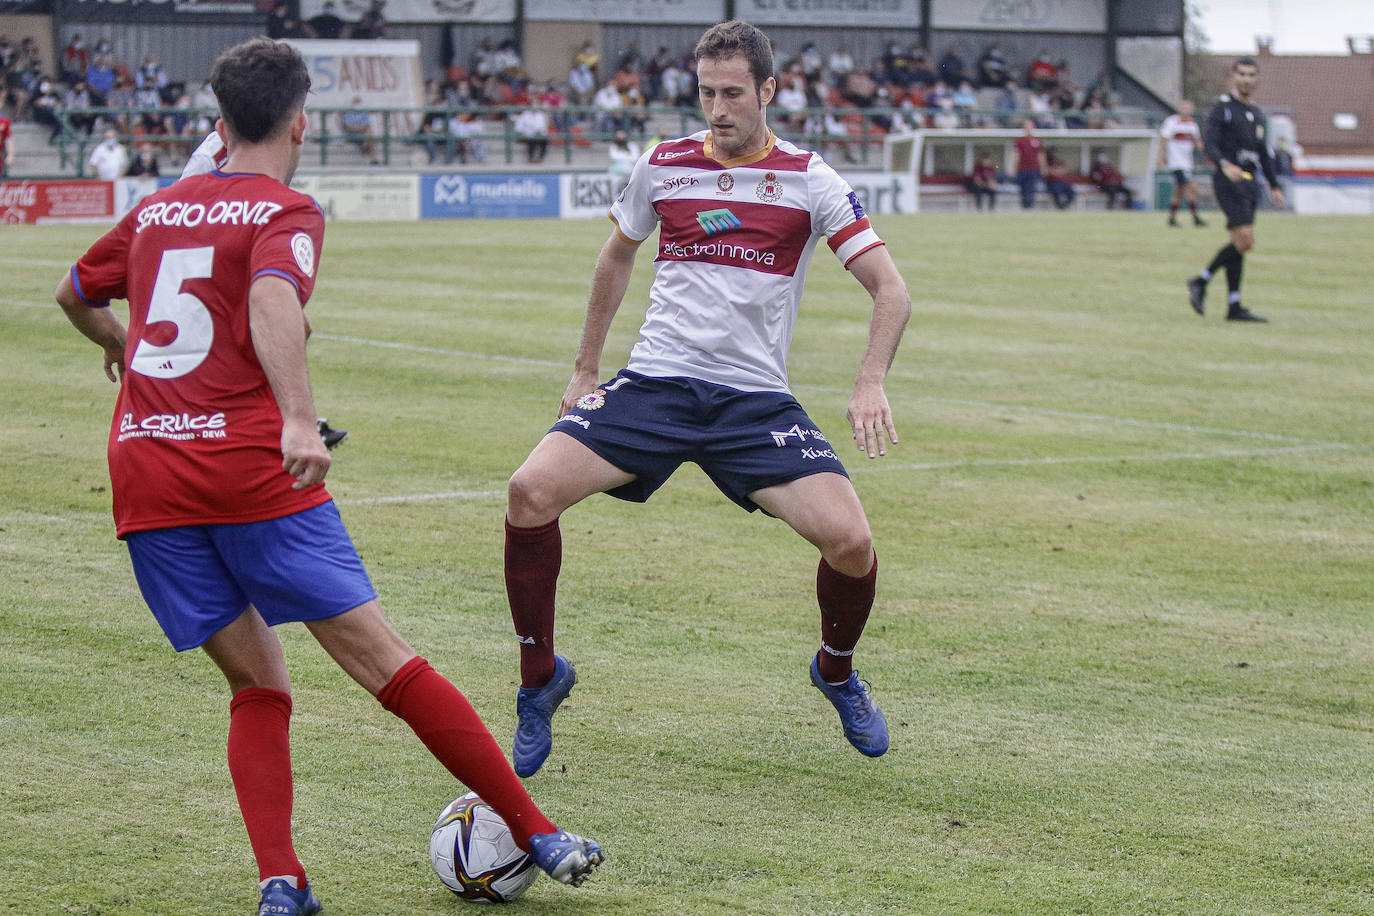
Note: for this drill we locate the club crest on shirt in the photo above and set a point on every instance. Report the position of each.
(593, 401)
(725, 182)
(769, 189)
(303, 250)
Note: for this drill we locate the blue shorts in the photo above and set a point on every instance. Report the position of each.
(1182, 178)
(743, 440)
(198, 579)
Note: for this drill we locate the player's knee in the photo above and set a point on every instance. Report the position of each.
(852, 554)
(529, 500)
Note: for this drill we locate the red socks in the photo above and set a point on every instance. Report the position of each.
(448, 725)
(534, 557)
(845, 602)
(260, 766)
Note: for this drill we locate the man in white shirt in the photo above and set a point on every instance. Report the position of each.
(109, 158)
(1181, 137)
(738, 213)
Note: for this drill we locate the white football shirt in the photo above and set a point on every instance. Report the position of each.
(735, 240)
(1180, 139)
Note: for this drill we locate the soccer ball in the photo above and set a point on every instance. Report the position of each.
(474, 854)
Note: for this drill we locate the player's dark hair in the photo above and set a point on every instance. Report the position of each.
(1245, 62)
(738, 38)
(260, 85)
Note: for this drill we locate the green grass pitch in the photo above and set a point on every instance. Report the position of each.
(1123, 634)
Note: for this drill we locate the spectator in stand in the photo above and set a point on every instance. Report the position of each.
(144, 163)
(922, 71)
(506, 64)
(6, 147)
(76, 60)
(372, 23)
(589, 55)
(1038, 103)
(77, 100)
(992, 68)
(149, 100)
(791, 99)
(1097, 111)
(965, 101)
(952, 69)
(581, 84)
(532, 129)
(100, 79)
(1059, 182)
(466, 130)
(945, 117)
(982, 182)
(1031, 163)
(356, 125)
(1042, 74)
(122, 96)
(150, 74)
(1111, 182)
(1008, 104)
(677, 86)
(45, 106)
(841, 62)
(281, 24)
(109, 158)
(896, 66)
(811, 62)
(653, 73)
(610, 109)
(623, 152)
(26, 86)
(326, 24)
(483, 61)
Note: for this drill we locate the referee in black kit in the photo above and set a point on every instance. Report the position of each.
(1235, 140)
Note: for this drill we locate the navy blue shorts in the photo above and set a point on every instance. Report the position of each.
(1182, 178)
(743, 440)
(198, 579)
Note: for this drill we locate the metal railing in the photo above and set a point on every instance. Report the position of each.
(572, 128)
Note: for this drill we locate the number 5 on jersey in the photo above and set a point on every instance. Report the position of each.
(195, 329)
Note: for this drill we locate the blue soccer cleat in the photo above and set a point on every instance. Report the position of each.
(565, 856)
(281, 899)
(534, 708)
(863, 721)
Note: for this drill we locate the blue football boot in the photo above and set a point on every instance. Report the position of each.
(281, 899)
(863, 721)
(534, 709)
(565, 856)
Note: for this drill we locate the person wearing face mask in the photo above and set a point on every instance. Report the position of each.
(109, 159)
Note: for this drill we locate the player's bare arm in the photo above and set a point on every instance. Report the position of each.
(609, 282)
(274, 312)
(869, 414)
(100, 325)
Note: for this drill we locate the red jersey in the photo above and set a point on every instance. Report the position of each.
(4, 132)
(196, 437)
(1028, 153)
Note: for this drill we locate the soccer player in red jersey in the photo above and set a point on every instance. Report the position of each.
(739, 213)
(6, 146)
(218, 469)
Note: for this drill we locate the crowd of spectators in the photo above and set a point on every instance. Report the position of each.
(831, 101)
(86, 79)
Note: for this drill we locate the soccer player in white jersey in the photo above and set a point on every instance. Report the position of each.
(739, 213)
(1181, 137)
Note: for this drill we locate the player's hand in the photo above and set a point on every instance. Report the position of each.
(581, 383)
(1234, 172)
(1279, 198)
(870, 417)
(304, 455)
(114, 363)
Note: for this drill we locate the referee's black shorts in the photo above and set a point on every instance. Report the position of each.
(1237, 199)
